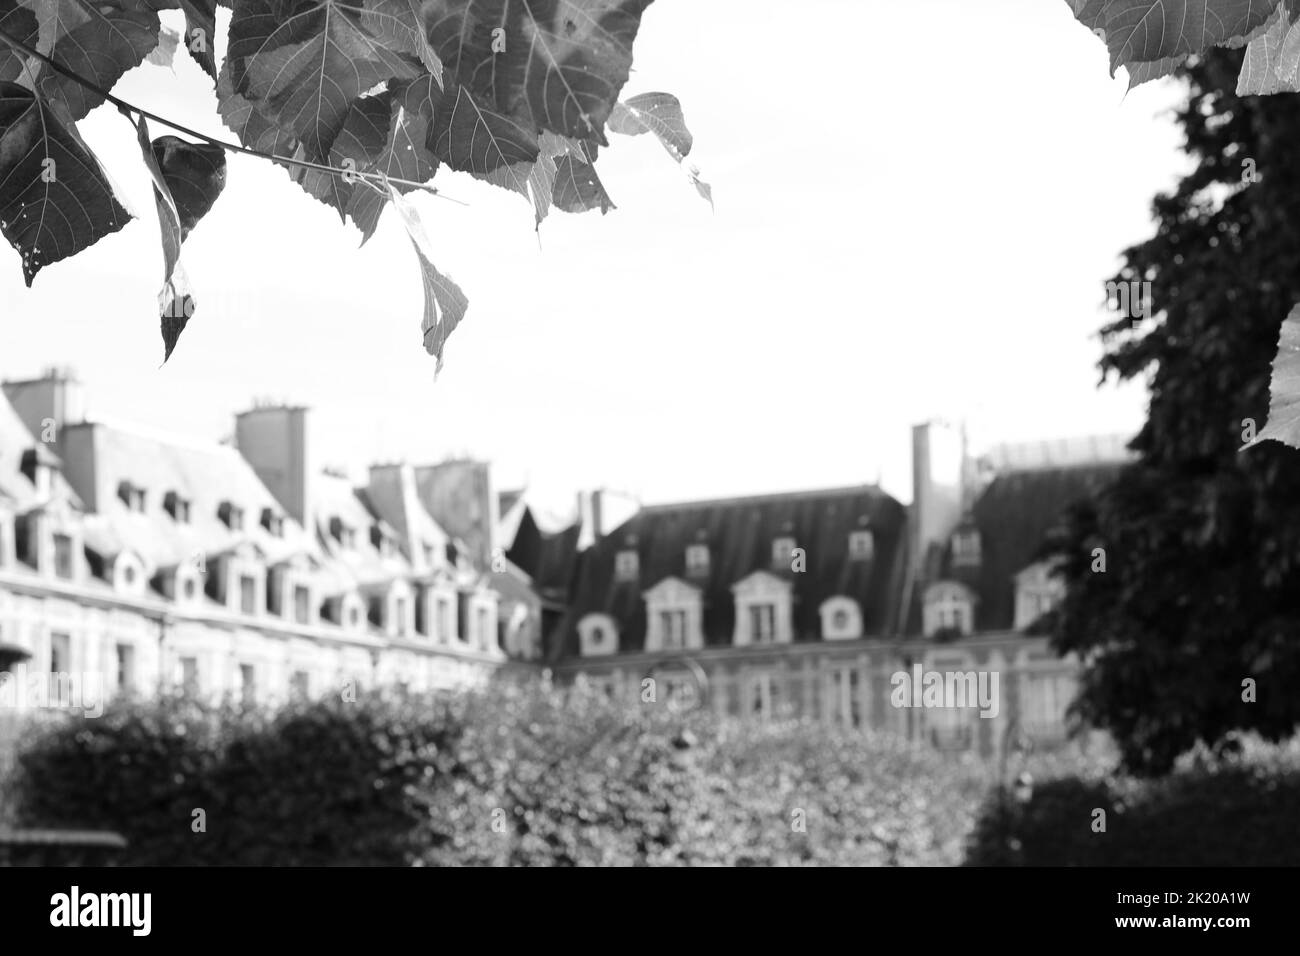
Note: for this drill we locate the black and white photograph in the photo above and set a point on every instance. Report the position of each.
(626, 434)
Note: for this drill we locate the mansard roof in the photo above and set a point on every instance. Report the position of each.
(391, 495)
(204, 474)
(740, 533)
(362, 565)
(548, 558)
(1014, 515)
(16, 441)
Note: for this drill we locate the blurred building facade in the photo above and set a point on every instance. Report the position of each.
(811, 604)
(247, 569)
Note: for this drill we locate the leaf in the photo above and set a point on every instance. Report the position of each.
(577, 187)
(20, 23)
(254, 130)
(187, 179)
(444, 303)
(405, 155)
(98, 41)
(357, 146)
(564, 61)
(701, 187)
(1271, 59)
(54, 198)
(201, 33)
(303, 64)
(195, 173)
(1144, 31)
(1139, 73)
(403, 26)
(661, 114)
(473, 137)
(1284, 387)
(171, 300)
(658, 113)
(1259, 65)
(169, 220)
(164, 54)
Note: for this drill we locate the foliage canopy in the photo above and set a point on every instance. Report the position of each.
(362, 100)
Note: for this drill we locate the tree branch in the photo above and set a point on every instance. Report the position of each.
(371, 178)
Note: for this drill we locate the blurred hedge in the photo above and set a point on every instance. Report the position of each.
(1231, 811)
(539, 776)
(518, 776)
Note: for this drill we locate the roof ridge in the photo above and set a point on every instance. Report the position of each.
(161, 435)
(842, 491)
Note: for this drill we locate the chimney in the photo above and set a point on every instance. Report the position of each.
(275, 440)
(601, 511)
(48, 403)
(938, 487)
(462, 498)
(394, 486)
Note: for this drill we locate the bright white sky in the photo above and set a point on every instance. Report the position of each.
(917, 204)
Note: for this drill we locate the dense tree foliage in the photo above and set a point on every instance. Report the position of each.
(1201, 590)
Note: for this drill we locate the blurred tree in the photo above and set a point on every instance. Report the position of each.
(1201, 589)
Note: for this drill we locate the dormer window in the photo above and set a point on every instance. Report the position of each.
(132, 496)
(273, 523)
(1038, 591)
(672, 629)
(762, 622)
(38, 466)
(862, 545)
(177, 507)
(344, 534)
(627, 565)
(948, 610)
(966, 547)
(231, 515)
(697, 560)
(782, 551)
(674, 616)
(382, 541)
(841, 618)
(347, 610)
(763, 610)
(128, 573)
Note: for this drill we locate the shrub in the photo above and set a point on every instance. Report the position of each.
(324, 783)
(137, 770)
(1230, 811)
